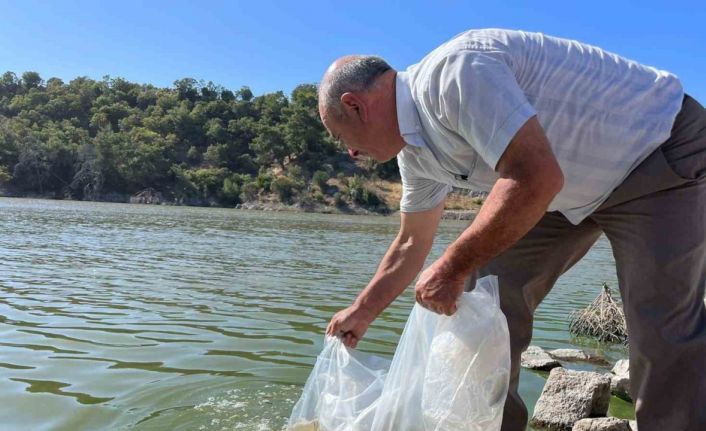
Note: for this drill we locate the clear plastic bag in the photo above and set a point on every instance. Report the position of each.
(449, 373)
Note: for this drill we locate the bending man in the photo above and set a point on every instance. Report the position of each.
(571, 141)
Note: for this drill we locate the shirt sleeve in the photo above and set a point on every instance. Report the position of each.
(422, 194)
(419, 193)
(479, 98)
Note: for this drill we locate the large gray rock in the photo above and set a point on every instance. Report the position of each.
(601, 424)
(569, 396)
(575, 355)
(620, 380)
(535, 358)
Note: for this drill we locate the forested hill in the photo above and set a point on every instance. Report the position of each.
(195, 143)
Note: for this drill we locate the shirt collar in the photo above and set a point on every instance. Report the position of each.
(407, 115)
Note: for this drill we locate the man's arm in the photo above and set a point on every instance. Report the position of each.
(530, 177)
(397, 269)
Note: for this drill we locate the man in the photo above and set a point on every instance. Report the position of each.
(572, 142)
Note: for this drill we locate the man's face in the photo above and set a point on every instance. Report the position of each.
(358, 141)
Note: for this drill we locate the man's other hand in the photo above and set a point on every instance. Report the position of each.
(350, 325)
(438, 288)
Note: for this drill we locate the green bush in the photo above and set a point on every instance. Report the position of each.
(193, 155)
(360, 194)
(319, 197)
(356, 189)
(294, 172)
(370, 198)
(285, 188)
(264, 181)
(355, 182)
(208, 181)
(319, 179)
(249, 191)
(5, 176)
(231, 191)
(338, 199)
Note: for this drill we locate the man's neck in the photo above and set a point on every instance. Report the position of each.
(389, 87)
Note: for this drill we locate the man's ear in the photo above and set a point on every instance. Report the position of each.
(354, 106)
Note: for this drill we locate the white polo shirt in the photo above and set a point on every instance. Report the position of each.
(461, 105)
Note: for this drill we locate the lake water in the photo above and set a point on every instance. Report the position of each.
(120, 316)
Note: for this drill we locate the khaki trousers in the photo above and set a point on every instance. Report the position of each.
(656, 224)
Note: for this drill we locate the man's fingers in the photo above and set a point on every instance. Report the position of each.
(333, 327)
(350, 340)
(450, 310)
(439, 308)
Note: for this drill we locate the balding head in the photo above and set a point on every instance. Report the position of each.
(357, 103)
(352, 73)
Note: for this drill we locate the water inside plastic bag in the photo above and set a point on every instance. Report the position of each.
(449, 373)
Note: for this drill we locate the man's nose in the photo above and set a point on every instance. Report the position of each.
(353, 153)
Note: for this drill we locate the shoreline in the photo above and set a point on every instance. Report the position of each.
(298, 207)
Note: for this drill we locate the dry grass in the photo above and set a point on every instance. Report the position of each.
(602, 319)
(391, 192)
(461, 201)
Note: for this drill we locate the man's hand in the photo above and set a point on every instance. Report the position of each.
(439, 287)
(350, 325)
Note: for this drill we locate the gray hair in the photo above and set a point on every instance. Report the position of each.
(355, 74)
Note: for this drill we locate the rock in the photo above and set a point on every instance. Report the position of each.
(601, 424)
(569, 396)
(622, 367)
(147, 196)
(535, 358)
(633, 425)
(575, 355)
(458, 215)
(620, 380)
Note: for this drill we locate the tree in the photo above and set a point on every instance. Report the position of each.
(244, 94)
(270, 107)
(87, 183)
(208, 181)
(144, 160)
(215, 156)
(31, 80)
(270, 145)
(304, 131)
(187, 89)
(32, 169)
(9, 84)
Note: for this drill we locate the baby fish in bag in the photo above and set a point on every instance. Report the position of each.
(449, 373)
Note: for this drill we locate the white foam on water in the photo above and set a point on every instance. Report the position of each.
(263, 409)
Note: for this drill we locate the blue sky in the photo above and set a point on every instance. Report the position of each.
(275, 45)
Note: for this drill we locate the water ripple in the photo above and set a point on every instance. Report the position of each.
(147, 317)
